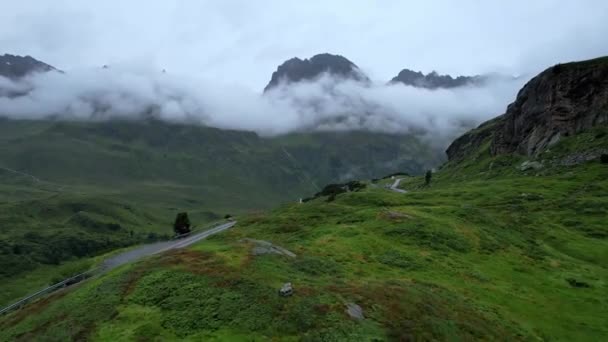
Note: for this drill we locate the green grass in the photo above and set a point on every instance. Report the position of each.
(486, 252)
(71, 190)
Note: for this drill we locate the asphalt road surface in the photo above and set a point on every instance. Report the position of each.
(159, 247)
(395, 186)
(121, 259)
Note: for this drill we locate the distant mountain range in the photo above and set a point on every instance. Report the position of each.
(433, 80)
(296, 70)
(293, 70)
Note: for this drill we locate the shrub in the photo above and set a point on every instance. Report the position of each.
(332, 190)
(182, 224)
(575, 283)
(397, 259)
(315, 265)
(604, 158)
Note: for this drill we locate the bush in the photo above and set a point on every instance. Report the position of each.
(395, 258)
(316, 266)
(332, 190)
(431, 238)
(181, 224)
(575, 283)
(427, 177)
(604, 158)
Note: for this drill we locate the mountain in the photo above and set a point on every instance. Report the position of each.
(297, 70)
(433, 80)
(561, 101)
(15, 67)
(485, 250)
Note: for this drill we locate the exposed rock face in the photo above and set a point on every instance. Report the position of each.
(433, 80)
(471, 140)
(296, 70)
(560, 101)
(15, 67)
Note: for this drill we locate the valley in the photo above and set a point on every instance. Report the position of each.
(500, 243)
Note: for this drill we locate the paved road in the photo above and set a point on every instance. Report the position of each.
(395, 186)
(121, 259)
(160, 247)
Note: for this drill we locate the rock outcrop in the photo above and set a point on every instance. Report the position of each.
(562, 100)
(470, 141)
(15, 67)
(434, 80)
(297, 70)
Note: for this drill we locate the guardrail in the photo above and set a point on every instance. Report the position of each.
(78, 278)
(67, 282)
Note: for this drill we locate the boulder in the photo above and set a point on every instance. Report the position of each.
(354, 311)
(286, 290)
(528, 165)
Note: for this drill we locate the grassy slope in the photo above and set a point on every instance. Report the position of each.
(92, 184)
(487, 252)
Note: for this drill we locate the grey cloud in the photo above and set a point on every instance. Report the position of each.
(325, 104)
(243, 41)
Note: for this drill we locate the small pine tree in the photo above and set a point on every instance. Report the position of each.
(427, 177)
(181, 224)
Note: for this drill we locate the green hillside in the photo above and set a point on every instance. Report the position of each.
(70, 190)
(488, 251)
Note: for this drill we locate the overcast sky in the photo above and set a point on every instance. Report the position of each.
(243, 41)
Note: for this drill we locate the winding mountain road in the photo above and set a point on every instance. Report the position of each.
(395, 186)
(121, 259)
(159, 247)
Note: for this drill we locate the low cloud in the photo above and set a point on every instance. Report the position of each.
(325, 104)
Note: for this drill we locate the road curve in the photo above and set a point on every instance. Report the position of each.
(120, 259)
(159, 247)
(395, 186)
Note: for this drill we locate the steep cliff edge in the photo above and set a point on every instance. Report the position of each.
(561, 101)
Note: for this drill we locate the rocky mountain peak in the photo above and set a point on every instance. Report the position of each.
(434, 80)
(297, 70)
(15, 67)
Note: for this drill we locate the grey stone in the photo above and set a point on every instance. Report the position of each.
(286, 290)
(354, 311)
(582, 157)
(527, 165)
(264, 247)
